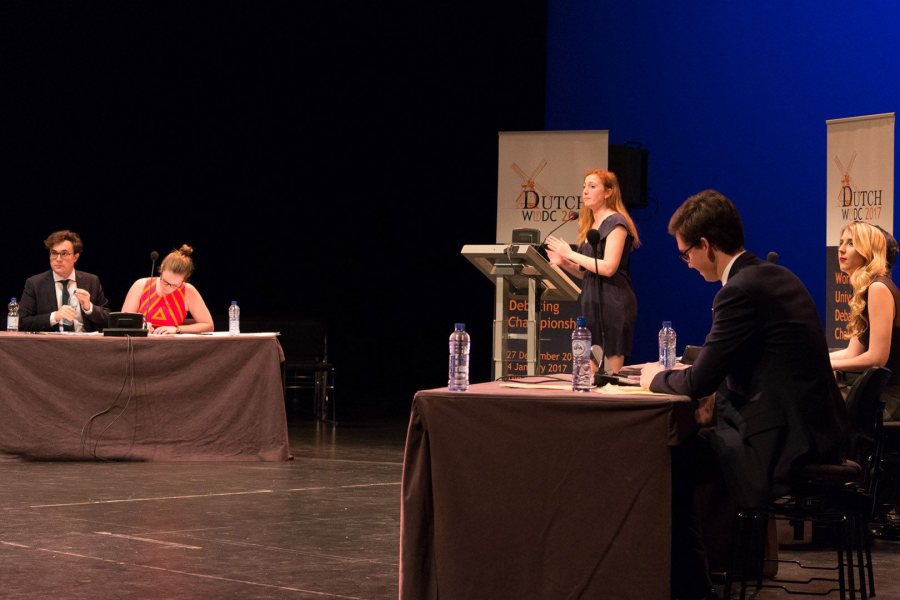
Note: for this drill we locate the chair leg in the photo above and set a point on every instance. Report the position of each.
(318, 397)
(758, 555)
(328, 396)
(867, 540)
(867, 573)
(851, 548)
(324, 407)
(842, 565)
(736, 554)
(750, 551)
(859, 536)
(737, 568)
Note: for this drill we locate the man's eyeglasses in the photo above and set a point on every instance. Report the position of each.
(171, 286)
(684, 254)
(63, 255)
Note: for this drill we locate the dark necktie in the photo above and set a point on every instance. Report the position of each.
(65, 301)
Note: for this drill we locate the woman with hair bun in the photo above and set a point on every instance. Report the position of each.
(874, 325)
(165, 301)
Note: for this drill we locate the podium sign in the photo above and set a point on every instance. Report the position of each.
(519, 270)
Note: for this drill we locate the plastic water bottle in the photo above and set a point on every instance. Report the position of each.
(667, 342)
(76, 306)
(234, 318)
(12, 316)
(582, 377)
(458, 373)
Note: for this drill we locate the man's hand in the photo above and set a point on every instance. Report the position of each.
(703, 414)
(65, 313)
(649, 372)
(84, 297)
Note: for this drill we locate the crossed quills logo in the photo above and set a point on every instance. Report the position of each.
(856, 203)
(538, 204)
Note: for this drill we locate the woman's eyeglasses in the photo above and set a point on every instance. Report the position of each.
(171, 286)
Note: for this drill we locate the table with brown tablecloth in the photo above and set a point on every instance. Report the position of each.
(531, 493)
(179, 397)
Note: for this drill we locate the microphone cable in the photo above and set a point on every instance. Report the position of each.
(86, 447)
(593, 238)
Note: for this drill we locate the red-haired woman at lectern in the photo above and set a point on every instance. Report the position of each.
(165, 301)
(874, 325)
(607, 300)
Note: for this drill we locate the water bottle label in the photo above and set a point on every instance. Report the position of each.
(12, 323)
(581, 348)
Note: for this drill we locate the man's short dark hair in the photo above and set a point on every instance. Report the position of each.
(709, 215)
(64, 236)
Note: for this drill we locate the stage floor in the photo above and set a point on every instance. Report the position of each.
(325, 525)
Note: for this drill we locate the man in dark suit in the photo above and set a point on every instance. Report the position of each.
(765, 359)
(62, 296)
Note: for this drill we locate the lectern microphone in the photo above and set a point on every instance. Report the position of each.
(153, 256)
(569, 218)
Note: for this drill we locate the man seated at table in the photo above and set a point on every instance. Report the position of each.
(63, 295)
(765, 358)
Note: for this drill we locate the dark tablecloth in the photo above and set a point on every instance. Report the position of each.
(511, 493)
(165, 398)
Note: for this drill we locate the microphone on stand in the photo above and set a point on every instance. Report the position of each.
(570, 217)
(593, 238)
(153, 256)
(772, 257)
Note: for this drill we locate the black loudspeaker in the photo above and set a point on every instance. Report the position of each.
(629, 163)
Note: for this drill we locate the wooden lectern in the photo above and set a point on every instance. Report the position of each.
(519, 270)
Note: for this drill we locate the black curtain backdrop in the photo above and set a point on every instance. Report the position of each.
(325, 160)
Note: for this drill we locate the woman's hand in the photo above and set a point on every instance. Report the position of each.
(559, 246)
(554, 258)
(164, 330)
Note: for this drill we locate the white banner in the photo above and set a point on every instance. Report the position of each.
(539, 181)
(860, 187)
(540, 176)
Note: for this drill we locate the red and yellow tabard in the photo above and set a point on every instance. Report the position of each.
(162, 310)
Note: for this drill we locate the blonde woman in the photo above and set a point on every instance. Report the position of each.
(165, 301)
(874, 320)
(607, 301)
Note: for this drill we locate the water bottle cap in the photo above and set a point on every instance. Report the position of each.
(580, 321)
(13, 299)
(459, 326)
(667, 323)
(233, 302)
